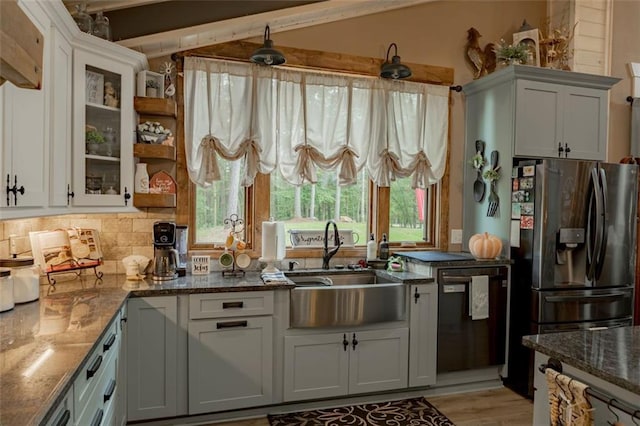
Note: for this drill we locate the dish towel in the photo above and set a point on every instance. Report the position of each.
(274, 278)
(568, 401)
(479, 297)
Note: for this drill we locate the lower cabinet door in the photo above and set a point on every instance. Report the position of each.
(423, 342)
(316, 366)
(379, 360)
(230, 363)
(152, 357)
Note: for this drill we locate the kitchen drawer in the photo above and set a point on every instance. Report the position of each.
(219, 305)
(92, 371)
(63, 414)
(102, 396)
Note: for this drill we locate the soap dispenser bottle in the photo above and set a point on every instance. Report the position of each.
(371, 248)
(384, 248)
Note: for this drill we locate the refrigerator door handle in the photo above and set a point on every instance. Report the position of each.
(594, 234)
(603, 225)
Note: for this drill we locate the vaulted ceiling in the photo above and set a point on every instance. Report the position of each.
(159, 27)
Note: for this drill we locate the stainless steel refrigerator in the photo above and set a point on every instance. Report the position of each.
(574, 263)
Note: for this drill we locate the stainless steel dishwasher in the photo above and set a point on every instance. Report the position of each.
(465, 343)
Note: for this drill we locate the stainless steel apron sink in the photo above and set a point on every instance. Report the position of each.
(339, 299)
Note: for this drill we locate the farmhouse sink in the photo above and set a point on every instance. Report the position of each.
(344, 299)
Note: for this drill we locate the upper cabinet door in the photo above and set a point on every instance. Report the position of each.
(23, 163)
(556, 120)
(103, 131)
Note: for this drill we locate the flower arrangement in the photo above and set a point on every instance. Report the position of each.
(510, 53)
(152, 132)
(555, 47)
(477, 161)
(492, 174)
(94, 136)
(152, 84)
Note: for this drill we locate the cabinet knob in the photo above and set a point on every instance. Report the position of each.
(14, 189)
(567, 150)
(416, 296)
(127, 196)
(354, 341)
(345, 342)
(560, 149)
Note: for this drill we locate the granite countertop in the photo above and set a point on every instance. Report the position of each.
(612, 354)
(65, 323)
(68, 320)
(449, 259)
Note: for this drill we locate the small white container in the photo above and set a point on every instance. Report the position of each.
(26, 278)
(6, 290)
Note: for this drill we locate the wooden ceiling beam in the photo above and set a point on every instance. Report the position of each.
(245, 27)
(326, 61)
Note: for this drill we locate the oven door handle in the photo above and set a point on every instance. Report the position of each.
(590, 297)
(446, 279)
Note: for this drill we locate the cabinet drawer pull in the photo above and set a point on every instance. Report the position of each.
(230, 324)
(97, 418)
(107, 345)
(109, 392)
(230, 305)
(63, 418)
(91, 371)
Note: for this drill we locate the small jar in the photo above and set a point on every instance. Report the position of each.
(26, 278)
(6, 290)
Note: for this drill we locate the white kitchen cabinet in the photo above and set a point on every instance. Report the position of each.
(556, 120)
(60, 120)
(120, 406)
(152, 357)
(230, 363)
(343, 363)
(524, 111)
(230, 351)
(103, 107)
(423, 335)
(24, 164)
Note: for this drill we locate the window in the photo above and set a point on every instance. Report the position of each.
(309, 206)
(411, 217)
(218, 202)
(318, 147)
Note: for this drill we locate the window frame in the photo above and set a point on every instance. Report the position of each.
(258, 195)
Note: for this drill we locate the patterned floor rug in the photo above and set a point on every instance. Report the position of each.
(405, 412)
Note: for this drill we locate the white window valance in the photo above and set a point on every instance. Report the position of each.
(296, 121)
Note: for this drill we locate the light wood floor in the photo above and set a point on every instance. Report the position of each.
(495, 407)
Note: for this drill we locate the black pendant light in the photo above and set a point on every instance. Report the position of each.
(267, 55)
(394, 69)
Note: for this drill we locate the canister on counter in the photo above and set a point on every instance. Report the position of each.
(26, 278)
(6, 290)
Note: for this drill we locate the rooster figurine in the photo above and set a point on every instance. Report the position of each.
(482, 60)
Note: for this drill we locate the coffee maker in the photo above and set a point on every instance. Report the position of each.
(165, 255)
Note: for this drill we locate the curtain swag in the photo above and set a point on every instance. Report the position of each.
(297, 121)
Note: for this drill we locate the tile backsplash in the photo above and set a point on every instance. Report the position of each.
(121, 234)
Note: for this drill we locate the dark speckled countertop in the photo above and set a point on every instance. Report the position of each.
(68, 321)
(612, 354)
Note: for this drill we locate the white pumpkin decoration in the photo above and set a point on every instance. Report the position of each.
(485, 246)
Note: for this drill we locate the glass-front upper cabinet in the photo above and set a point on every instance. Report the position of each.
(103, 134)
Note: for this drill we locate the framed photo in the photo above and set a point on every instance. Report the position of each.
(530, 39)
(150, 84)
(94, 87)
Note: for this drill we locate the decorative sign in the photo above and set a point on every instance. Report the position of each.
(162, 183)
(94, 87)
(200, 265)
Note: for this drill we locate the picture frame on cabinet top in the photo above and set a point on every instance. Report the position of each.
(531, 39)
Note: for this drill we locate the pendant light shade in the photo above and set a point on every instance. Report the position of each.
(267, 55)
(394, 69)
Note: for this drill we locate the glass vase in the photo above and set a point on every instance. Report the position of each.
(83, 19)
(101, 27)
